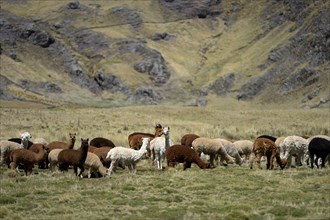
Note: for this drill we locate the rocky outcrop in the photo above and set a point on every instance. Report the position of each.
(223, 85)
(194, 8)
(309, 46)
(147, 96)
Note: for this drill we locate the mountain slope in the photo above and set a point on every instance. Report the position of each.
(106, 53)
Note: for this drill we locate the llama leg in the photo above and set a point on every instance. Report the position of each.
(289, 161)
(251, 160)
(272, 158)
(13, 165)
(259, 160)
(82, 169)
(312, 160)
(111, 168)
(130, 168)
(188, 165)
(1, 160)
(212, 156)
(134, 168)
(323, 161)
(316, 161)
(268, 157)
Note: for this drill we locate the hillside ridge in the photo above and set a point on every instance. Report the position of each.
(155, 52)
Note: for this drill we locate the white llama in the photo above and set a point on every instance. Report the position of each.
(126, 156)
(159, 145)
(25, 136)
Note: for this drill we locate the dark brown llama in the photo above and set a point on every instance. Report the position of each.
(187, 139)
(101, 142)
(184, 154)
(76, 158)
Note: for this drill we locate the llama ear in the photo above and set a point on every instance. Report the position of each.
(82, 139)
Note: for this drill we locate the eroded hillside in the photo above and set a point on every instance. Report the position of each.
(106, 53)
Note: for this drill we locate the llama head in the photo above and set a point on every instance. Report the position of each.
(72, 136)
(26, 136)
(84, 142)
(283, 163)
(166, 130)
(158, 130)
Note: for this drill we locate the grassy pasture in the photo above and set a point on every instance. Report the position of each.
(231, 192)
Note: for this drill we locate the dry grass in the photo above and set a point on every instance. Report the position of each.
(221, 193)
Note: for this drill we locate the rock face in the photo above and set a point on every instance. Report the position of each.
(146, 96)
(134, 61)
(309, 46)
(223, 85)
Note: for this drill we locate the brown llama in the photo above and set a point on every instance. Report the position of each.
(187, 139)
(76, 158)
(135, 139)
(27, 157)
(101, 142)
(62, 145)
(184, 154)
(102, 154)
(266, 147)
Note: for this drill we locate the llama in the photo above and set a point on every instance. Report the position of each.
(159, 145)
(212, 148)
(319, 161)
(184, 154)
(43, 164)
(266, 147)
(102, 154)
(126, 156)
(244, 148)
(76, 158)
(62, 145)
(53, 158)
(94, 165)
(27, 157)
(320, 147)
(231, 150)
(187, 139)
(294, 146)
(135, 139)
(25, 140)
(40, 140)
(101, 142)
(268, 137)
(5, 148)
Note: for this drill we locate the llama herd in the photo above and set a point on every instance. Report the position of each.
(101, 157)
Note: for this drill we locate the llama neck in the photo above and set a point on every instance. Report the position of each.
(83, 153)
(141, 152)
(25, 143)
(71, 142)
(167, 140)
